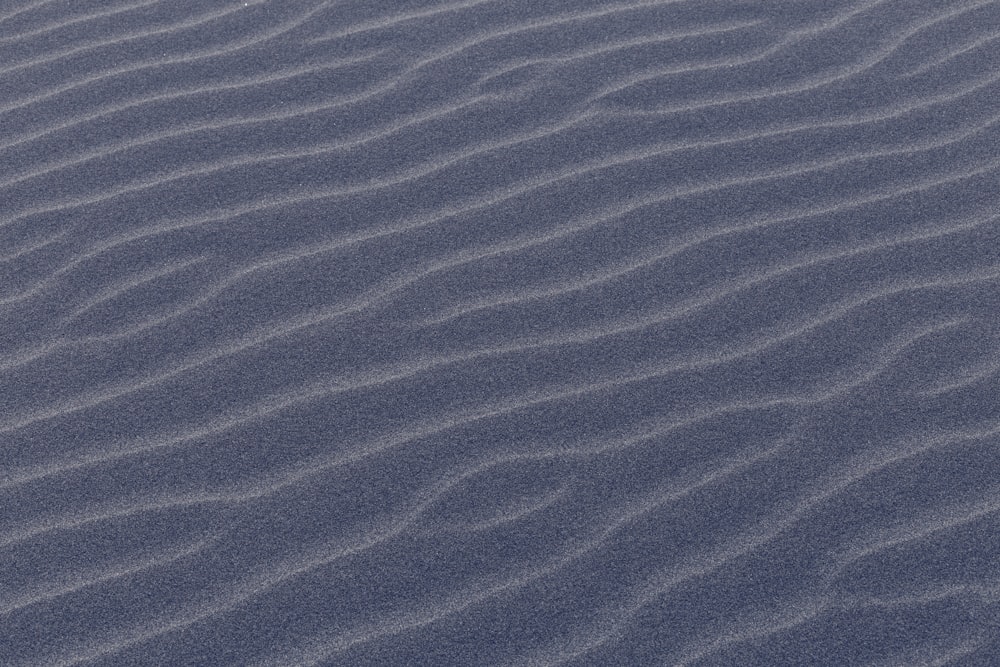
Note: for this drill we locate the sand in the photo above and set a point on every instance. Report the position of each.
(499, 332)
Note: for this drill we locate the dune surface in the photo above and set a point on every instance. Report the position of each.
(499, 333)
